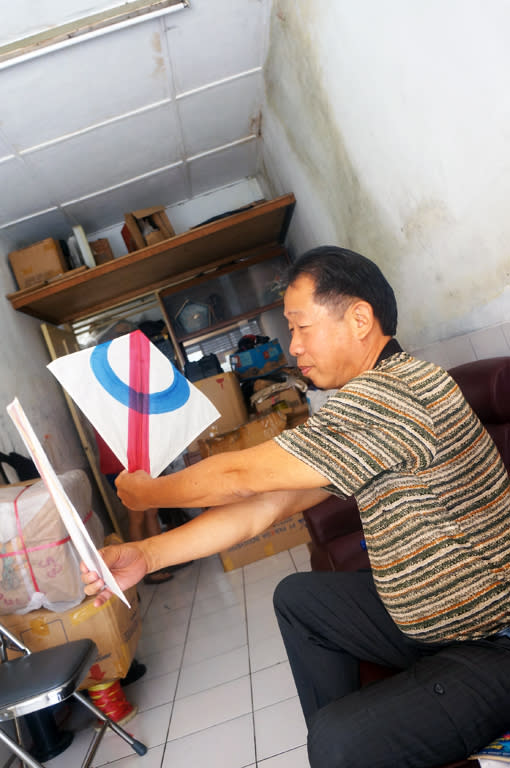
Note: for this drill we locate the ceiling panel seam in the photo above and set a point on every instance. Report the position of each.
(29, 217)
(96, 126)
(32, 172)
(65, 204)
(216, 83)
(223, 147)
(124, 183)
(171, 69)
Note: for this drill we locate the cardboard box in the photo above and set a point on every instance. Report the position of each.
(224, 391)
(252, 433)
(275, 398)
(284, 535)
(37, 263)
(259, 361)
(114, 627)
(101, 250)
(146, 227)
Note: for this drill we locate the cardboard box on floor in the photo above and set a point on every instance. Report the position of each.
(251, 433)
(276, 538)
(224, 391)
(284, 535)
(37, 263)
(113, 627)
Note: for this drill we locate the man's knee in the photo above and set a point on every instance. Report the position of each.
(286, 594)
(333, 742)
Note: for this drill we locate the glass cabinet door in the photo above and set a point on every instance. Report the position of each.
(238, 291)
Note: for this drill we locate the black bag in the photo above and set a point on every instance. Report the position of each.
(25, 468)
(209, 365)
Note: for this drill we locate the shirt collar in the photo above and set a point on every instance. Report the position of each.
(391, 348)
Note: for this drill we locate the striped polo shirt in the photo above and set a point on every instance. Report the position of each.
(432, 491)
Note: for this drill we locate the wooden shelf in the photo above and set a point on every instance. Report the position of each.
(80, 294)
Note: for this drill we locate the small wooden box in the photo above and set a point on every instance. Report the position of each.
(160, 228)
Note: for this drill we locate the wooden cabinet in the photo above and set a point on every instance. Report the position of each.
(193, 255)
(233, 292)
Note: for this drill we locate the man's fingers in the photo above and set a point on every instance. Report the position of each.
(102, 598)
(93, 586)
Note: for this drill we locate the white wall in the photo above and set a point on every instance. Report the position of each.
(390, 122)
(23, 374)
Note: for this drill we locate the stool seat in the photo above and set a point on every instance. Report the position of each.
(40, 679)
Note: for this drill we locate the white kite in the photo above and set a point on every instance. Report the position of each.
(70, 517)
(143, 408)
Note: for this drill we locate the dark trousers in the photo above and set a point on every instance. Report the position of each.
(447, 702)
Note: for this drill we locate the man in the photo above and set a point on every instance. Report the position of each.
(434, 498)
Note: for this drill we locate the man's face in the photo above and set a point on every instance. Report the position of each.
(326, 347)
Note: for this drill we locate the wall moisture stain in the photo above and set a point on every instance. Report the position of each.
(436, 264)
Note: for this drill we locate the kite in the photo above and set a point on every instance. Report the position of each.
(142, 406)
(70, 517)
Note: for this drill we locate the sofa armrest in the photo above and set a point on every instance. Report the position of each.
(331, 518)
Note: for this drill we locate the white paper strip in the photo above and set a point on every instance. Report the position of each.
(70, 517)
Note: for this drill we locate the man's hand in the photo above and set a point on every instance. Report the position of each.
(127, 564)
(133, 489)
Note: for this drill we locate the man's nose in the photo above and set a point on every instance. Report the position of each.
(296, 347)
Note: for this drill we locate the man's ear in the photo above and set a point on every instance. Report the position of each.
(361, 317)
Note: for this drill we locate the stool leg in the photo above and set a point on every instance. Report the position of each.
(23, 755)
(138, 747)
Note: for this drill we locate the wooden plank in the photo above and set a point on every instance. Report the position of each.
(152, 268)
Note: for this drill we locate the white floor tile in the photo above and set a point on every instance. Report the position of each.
(279, 728)
(152, 759)
(162, 662)
(267, 652)
(228, 745)
(294, 758)
(216, 622)
(211, 707)
(160, 641)
(211, 672)
(268, 566)
(215, 603)
(265, 587)
(149, 727)
(157, 623)
(229, 583)
(262, 625)
(272, 685)
(301, 557)
(206, 647)
(147, 694)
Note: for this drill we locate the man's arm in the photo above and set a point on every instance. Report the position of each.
(216, 529)
(222, 479)
(219, 528)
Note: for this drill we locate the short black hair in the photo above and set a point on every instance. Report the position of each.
(339, 274)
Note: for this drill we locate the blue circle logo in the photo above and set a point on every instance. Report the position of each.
(170, 399)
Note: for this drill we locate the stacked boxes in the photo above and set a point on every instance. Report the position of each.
(258, 362)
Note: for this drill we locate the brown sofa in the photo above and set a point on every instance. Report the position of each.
(336, 534)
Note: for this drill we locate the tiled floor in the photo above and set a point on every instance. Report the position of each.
(218, 691)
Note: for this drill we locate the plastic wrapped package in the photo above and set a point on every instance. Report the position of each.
(39, 565)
